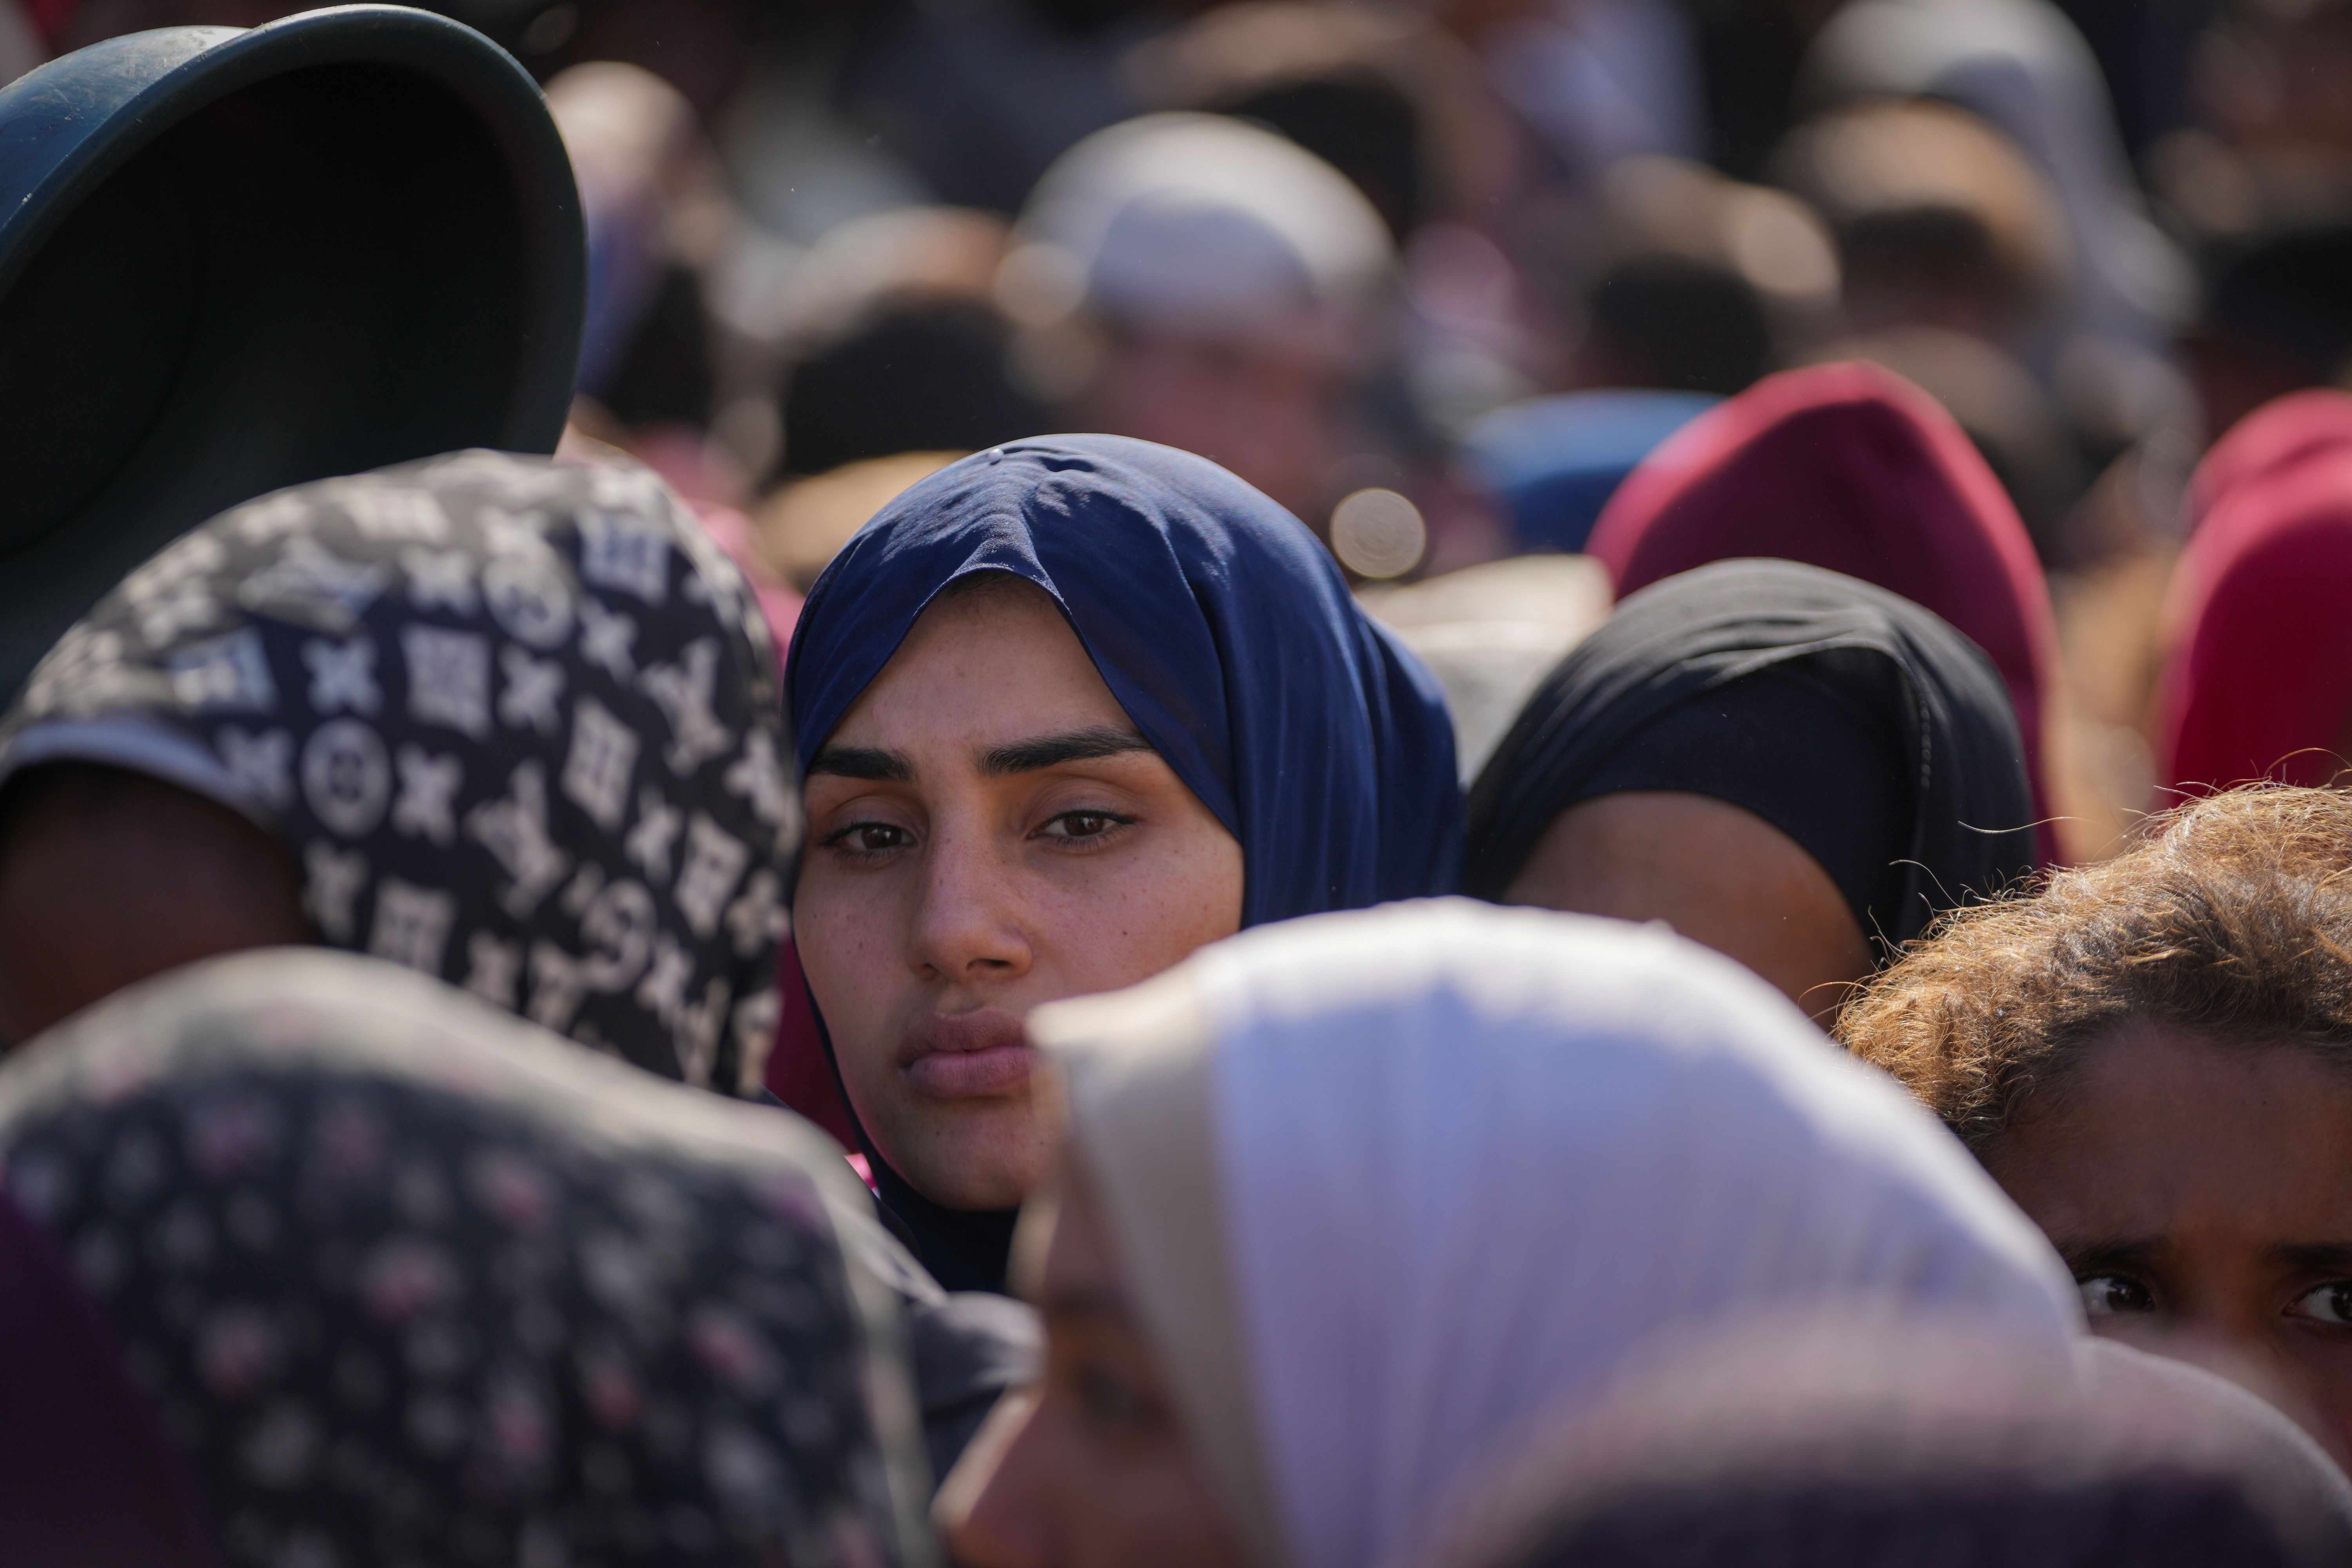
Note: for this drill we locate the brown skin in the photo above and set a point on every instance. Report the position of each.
(107, 877)
(1267, 409)
(2202, 1191)
(1719, 875)
(1092, 1467)
(958, 874)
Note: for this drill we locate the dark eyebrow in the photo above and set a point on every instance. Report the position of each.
(2112, 1252)
(1052, 751)
(2315, 1256)
(863, 762)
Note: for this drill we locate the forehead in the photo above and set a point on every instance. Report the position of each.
(983, 667)
(2157, 1129)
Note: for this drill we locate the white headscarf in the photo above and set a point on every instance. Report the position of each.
(1388, 1184)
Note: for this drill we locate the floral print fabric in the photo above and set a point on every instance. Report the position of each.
(407, 1281)
(516, 722)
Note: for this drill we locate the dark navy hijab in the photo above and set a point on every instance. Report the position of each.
(1223, 629)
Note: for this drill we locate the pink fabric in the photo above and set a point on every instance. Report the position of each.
(778, 601)
(2279, 435)
(1850, 467)
(2259, 681)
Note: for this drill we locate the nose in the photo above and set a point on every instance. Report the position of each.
(968, 926)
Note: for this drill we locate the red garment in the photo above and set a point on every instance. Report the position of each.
(1850, 467)
(50, 17)
(798, 1073)
(2279, 435)
(2259, 681)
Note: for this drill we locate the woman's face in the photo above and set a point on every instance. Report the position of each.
(1719, 875)
(1092, 1467)
(988, 831)
(2201, 1192)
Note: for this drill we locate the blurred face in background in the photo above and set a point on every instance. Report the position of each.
(1266, 408)
(2200, 1190)
(987, 831)
(1092, 1467)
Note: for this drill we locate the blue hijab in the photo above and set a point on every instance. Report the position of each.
(1223, 629)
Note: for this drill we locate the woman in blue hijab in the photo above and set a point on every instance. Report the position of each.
(1064, 711)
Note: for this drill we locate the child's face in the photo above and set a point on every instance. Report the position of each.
(2200, 1189)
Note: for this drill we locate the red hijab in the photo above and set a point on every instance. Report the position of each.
(1850, 467)
(2276, 437)
(2259, 680)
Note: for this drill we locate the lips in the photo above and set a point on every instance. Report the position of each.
(966, 1056)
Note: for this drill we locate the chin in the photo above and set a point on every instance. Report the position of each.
(976, 1157)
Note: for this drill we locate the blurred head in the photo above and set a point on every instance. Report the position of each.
(1391, 102)
(1676, 323)
(1838, 1442)
(1067, 709)
(1687, 280)
(2008, 417)
(896, 344)
(1197, 281)
(2277, 318)
(2257, 680)
(2150, 1056)
(395, 1270)
(1941, 221)
(1347, 1204)
(1097, 1465)
(1789, 766)
(508, 723)
(1849, 468)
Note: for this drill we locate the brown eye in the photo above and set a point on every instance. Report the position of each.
(1085, 826)
(868, 838)
(2331, 1303)
(2114, 1295)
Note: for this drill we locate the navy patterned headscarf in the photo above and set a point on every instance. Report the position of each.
(515, 721)
(1224, 630)
(399, 1278)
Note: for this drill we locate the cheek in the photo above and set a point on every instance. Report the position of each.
(2324, 1372)
(1141, 916)
(846, 933)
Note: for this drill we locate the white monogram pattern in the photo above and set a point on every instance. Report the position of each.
(459, 687)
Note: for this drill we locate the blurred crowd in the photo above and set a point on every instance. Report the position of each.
(1823, 475)
(1434, 275)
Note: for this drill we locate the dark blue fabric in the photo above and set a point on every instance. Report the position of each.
(1221, 626)
(1557, 460)
(1219, 623)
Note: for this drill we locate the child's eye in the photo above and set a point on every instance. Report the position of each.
(2330, 1303)
(2114, 1295)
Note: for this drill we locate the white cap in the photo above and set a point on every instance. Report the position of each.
(1194, 222)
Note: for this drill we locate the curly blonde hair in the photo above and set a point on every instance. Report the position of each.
(2232, 917)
